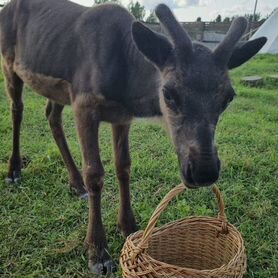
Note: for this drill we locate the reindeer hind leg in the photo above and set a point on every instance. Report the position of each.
(54, 115)
(14, 88)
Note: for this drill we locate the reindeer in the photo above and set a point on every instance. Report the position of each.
(110, 67)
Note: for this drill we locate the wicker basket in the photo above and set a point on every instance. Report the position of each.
(192, 247)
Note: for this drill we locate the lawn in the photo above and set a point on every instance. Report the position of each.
(42, 226)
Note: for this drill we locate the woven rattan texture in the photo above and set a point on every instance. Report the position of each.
(203, 247)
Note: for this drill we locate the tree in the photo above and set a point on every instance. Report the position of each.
(226, 20)
(218, 18)
(253, 18)
(137, 10)
(4, 2)
(151, 18)
(199, 19)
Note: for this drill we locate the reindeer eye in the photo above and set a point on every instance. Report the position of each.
(171, 98)
(169, 92)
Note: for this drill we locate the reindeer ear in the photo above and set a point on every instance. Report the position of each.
(245, 51)
(154, 46)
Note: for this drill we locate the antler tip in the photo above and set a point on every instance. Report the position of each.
(162, 10)
(241, 21)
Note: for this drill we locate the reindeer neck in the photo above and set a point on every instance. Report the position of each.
(143, 83)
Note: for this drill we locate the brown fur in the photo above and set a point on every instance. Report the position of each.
(55, 89)
(105, 110)
(111, 68)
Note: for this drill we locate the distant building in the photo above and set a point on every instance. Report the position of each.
(210, 33)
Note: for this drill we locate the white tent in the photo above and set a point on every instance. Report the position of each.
(270, 30)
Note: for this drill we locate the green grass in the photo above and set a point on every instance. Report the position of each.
(42, 226)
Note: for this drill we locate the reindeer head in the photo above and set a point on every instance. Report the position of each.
(195, 89)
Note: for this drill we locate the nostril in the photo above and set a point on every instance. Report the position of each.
(203, 173)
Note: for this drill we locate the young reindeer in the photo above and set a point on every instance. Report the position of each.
(111, 68)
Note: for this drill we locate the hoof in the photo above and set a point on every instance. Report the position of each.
(110, 266)
(102, 268)
(17, 180)
(14, 178)
(84, 196)
(96, 268)
(9, 180)
(128, 231)
(127, 226)
(77, 188)
(80, 192)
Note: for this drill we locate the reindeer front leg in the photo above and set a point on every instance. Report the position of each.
(93, 173)
(126, 220)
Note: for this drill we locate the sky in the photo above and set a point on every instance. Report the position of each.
(189, 10)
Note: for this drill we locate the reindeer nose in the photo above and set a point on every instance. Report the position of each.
(202, 173)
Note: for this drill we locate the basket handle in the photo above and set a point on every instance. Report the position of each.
(143, 244)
